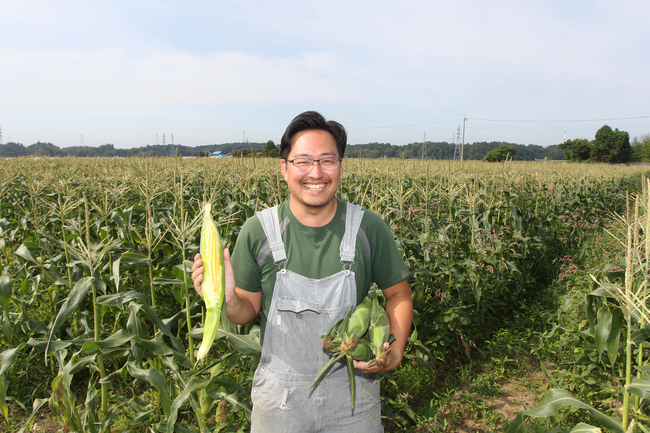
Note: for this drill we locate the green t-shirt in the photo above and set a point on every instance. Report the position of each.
(313, 252)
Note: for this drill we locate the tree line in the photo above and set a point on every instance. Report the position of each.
(608, 146)
(428, 150)
(108, 150)
(444, 150)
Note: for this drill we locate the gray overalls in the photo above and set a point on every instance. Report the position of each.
(302, 311)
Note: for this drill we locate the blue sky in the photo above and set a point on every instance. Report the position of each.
(217, 71)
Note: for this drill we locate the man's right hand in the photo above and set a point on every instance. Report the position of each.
(197, 275)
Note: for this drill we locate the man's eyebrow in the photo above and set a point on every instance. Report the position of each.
(311, 155)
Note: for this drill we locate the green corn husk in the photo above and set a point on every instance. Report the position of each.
(362, 351)
(350, 338)
(360, 319)
(378, 330)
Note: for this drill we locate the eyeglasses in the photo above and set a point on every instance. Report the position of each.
(307, 163)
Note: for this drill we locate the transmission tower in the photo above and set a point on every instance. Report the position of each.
(424, 146)
(457, 144)
(1, 142)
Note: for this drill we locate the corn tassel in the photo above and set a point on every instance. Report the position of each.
(361, 352)
(213, 284)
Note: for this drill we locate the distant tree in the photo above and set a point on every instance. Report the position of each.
(641, 148)
(13, 150)
(611, 146)
(241, 153)
(501, 153)
(270, 150)
(577, 150)
(44, 149)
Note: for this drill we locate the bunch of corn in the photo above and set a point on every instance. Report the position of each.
(359, 336)
(213, 284)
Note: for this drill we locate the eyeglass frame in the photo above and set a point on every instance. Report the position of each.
(313, 161)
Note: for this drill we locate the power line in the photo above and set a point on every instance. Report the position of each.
(400, 126)
(501, 120)
(560, 121)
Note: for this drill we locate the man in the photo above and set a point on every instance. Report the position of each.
(304, 264)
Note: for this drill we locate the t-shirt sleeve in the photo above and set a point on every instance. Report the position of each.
(244, 258)
(388, 267)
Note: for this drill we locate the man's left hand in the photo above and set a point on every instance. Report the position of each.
(390, 363)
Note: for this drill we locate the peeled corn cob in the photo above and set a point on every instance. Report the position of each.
(213, 284)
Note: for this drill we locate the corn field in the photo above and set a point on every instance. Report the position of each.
(100, 321)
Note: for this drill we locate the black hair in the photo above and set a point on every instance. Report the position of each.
(310, 120)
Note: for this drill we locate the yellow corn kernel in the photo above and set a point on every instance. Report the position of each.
(213, 284)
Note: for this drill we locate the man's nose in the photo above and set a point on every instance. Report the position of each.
(316, 168)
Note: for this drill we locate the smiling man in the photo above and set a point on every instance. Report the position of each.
(303, 265)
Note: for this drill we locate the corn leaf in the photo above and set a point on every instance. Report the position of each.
(5, 291)
(585, 428)
(553, 402)
(114, 340)
(38, 403)
(3, 393)
(154, 378)
(194, 384)
(325, 368)
(233, 399)
(135, 325)
(639, 387)
(70, 305)
(24, 253)
(614, 335)
(603, 328)
(246, 344)
(353, 380)
(7, 358)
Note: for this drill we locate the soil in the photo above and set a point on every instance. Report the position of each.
(516, 395)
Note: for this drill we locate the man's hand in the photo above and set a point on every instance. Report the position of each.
(197, 275)
(392, 361)
(241, 306)
(399, 307)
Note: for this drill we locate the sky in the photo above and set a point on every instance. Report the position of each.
(138, 72)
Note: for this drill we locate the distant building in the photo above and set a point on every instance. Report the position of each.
(218, 154)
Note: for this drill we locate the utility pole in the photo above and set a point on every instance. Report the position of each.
(462, 147)
(1, 136)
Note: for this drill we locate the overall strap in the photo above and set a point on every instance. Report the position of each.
(271, 225)
(353, 217)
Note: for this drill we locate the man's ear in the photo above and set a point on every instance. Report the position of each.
(283, 167)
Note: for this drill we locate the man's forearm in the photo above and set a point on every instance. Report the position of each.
(240, 310)
(400, 313)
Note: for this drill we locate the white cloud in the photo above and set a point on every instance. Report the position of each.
(375, 63)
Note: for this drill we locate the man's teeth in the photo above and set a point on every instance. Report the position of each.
(315, 187)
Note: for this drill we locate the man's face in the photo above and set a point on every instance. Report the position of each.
(312, 187)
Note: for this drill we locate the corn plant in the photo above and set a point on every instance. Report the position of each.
(617, 315)
(480, 240)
